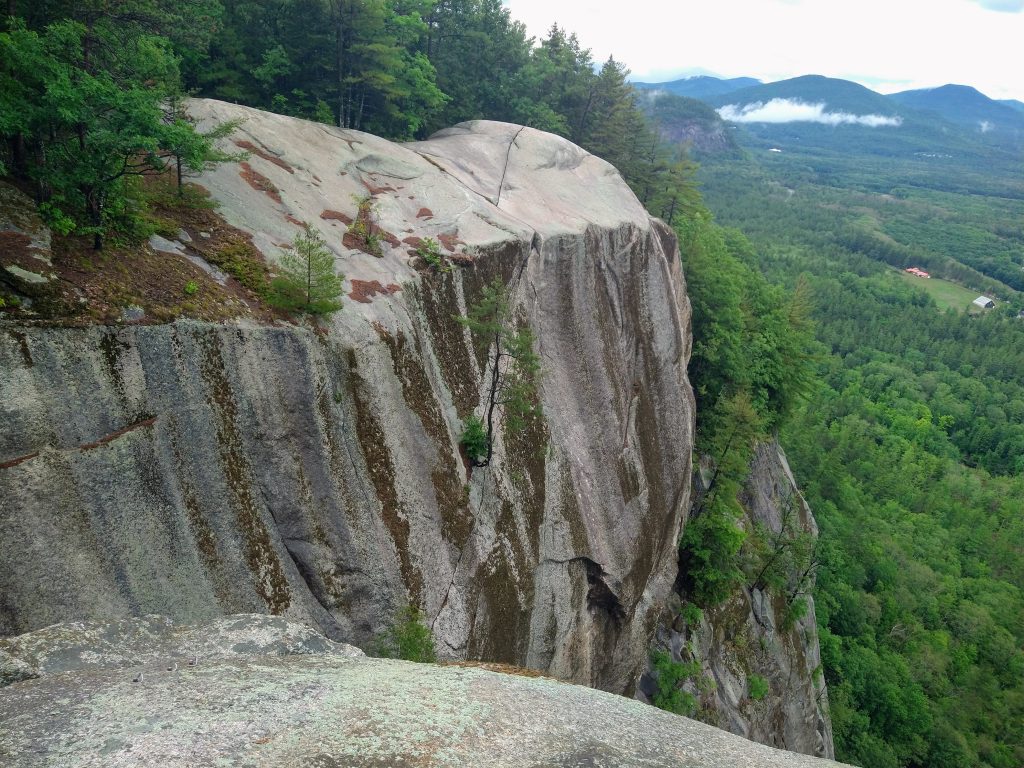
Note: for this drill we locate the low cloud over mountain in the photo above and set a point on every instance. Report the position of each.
(794, 110)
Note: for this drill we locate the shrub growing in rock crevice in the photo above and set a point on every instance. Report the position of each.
(408, 638)
(757, 686)
(670, 675)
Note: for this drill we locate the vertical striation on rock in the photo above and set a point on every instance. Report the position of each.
(196, 470)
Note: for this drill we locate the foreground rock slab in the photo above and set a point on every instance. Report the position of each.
(331, 709)
(154, 643)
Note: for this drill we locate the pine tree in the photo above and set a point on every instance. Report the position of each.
(478, 51)
(555, 85)
(512, 365)
(191, 150)
(307, 281)
(383, 84)
(610, 107)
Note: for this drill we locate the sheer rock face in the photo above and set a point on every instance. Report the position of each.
(197, 470)
(749, 635)
(710, 139)
(265, 693)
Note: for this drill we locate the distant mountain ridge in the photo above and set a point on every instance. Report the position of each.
(959, 104)
(700, 86)
(964, 105)
(827, 112)
(837, 95)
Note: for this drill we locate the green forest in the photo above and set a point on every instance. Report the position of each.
(903, 422)
(909, 446)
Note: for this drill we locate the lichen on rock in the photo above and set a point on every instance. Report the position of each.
(261, 692)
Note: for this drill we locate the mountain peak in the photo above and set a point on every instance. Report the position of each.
(700, 86)
(963, 105)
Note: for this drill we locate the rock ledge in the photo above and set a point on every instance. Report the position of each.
(331, 709)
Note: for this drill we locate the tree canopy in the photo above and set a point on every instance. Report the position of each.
(83, 104)
(510, 372)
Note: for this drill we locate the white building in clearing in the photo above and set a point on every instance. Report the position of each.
(984, 302)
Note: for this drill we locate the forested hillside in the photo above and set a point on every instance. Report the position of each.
(904, 423)
(910, 448)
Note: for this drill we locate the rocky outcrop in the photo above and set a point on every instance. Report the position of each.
(751, 636)
(314, 472)
(156, 643)
(702, 136)
(244, 703)
(24, 245)
(688, 122)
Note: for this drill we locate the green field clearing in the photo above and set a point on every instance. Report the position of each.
(946, 294)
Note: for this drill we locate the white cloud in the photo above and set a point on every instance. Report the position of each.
(1006, 6)
(793, 111)
(985, 126)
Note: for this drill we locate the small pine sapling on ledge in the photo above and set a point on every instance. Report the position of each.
(474, 440)
(307, 281)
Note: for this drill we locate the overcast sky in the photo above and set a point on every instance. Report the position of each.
(888, 45)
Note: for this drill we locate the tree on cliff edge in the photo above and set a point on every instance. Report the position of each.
(82, 89)
(510, 373)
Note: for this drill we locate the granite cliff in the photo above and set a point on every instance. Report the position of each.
(752, 634)
(314, 472)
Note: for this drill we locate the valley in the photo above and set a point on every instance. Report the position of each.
(910, 448)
